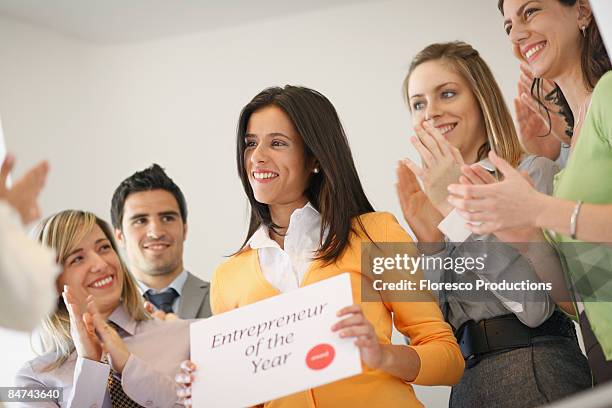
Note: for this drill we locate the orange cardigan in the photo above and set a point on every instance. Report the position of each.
(239, 281)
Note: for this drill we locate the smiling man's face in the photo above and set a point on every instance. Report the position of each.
(152, 233)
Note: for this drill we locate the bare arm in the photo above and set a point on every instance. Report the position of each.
(594, 222)
(515, 203)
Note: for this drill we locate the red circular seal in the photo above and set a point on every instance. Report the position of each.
(320, 356)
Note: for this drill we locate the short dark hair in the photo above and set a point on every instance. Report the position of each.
(151, 178)
(335, 191)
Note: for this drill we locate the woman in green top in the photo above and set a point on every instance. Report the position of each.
(559, 40)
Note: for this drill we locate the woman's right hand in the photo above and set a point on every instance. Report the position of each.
(511, 203)
(534, 131)
(183, 380)
(82, 328)
(477, 175)
(420, 214)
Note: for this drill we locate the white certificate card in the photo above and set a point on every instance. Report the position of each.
(273, 348)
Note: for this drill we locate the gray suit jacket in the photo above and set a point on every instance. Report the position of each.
(195, 299)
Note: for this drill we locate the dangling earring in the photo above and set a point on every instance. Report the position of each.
(583, 29)
(315, 170)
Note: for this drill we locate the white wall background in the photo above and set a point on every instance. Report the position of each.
(100, 111)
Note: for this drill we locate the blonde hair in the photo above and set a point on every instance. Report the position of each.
(501, 133)
(62, 232)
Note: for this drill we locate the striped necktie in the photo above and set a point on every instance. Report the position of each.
(164, 300)
(118, 397)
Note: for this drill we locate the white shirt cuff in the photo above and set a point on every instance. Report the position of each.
(453, 226)
(89, 385)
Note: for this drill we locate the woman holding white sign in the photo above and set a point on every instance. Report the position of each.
(309, 217)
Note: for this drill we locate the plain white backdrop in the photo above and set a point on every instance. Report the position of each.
(99, 108)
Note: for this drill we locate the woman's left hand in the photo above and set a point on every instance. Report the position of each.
(441, 163)
(511, 203)
(112, 343)
(183, 379)
(82, 331)
(356, 325)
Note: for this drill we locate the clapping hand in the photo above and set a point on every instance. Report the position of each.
(511, 203)
(159, 314)
(477, 175)
(82, 330)
(91, 334)
(441, 164)
(418, 211)
(540, 132)
(24, 193)
(111, 342)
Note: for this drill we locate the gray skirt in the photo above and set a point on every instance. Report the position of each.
(552, 368)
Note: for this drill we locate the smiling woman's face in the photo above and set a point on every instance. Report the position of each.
(275, 159)
(439, 94)
(545, 34)
(93, 268)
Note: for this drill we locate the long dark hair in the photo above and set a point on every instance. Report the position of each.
(594, 61)
(335, 191)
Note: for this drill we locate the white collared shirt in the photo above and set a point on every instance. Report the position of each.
(285, 268)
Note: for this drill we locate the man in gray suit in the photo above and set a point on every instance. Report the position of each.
(149, 214)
